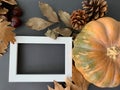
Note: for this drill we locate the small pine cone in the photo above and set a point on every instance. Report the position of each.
(95, 8)
(78, 19)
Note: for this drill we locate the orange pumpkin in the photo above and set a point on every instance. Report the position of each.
(96, 52)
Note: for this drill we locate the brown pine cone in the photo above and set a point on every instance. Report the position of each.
(95, 8)
(78, 19)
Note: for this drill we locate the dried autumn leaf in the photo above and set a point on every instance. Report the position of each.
(77, 86)
(79, 80)
(51, 34)
(48, 12)
(66, 32)
(2, 18)
(49, 88)
(3, 10)
(6, 36)
(11, 2)
(65, 17)
(58, 87)
(38, 23)
(72, 86)
(69, 86)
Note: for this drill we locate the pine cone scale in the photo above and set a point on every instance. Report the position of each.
(82, 22)
(103, 9)
(97, 10)
(90, 2)
(89, 14)
(104, 3)
(102, 15)
(97, 16)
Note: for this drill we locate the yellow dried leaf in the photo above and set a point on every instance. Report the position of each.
(48, 12)
(11, 2)
(65, 17)
(3, 10)
(38, 23)
(6, 36)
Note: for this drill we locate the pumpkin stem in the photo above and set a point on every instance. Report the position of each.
(113, 52)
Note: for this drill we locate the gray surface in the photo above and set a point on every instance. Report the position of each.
(31, 9)
(42, 59)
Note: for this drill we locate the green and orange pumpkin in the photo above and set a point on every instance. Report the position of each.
(96, 52)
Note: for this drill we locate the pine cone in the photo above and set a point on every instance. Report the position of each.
(95, 8)
(78, 19)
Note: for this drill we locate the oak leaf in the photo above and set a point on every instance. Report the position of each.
(65, 17)
(58, 87)
(79, 80)
(38, 24)
(6, 36)
(48, 12)
(69, 86)
(76, 83)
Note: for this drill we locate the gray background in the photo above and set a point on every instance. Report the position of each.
(31, 9)
(42, 59)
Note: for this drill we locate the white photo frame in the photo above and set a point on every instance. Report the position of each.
(14, 77)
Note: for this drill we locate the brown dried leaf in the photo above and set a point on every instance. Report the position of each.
(58, 87)
(65, 17)
(72, 86)
(38, 23)
(2, 18)
(79, 80)
(51, 34)
(11, 2)
(3, 10)
(69, 86)
(6, 36)
(48, 12)
(66, 32)
(49, 88)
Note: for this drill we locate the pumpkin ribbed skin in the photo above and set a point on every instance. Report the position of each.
(96, 52)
